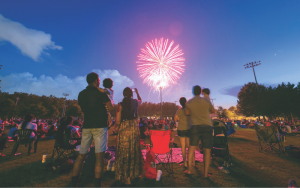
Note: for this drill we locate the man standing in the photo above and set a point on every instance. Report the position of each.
(199, 110)
(92, 102)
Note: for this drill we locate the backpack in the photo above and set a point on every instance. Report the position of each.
(150, 165)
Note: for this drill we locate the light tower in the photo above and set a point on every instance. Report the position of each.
(65, 106)
(253, 64)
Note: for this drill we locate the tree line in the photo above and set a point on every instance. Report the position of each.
(272, 102)
(51, 107)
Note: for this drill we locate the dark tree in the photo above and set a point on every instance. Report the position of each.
(222, 113)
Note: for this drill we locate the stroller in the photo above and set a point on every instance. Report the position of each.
(220, 145)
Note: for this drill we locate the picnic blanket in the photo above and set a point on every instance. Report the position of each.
(176, 156)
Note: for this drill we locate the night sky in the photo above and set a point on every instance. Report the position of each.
(48, 47)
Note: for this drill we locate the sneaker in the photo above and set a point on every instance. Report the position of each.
(224, 169)
(292, 184)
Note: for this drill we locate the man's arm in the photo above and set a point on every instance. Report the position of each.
(176, 118)
(187, 110)
(109, 106)
(118, 118)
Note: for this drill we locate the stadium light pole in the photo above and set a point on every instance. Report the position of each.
(64, 109)
(252, 65)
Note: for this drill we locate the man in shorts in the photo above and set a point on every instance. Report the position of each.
(92, 102)
(199, 110)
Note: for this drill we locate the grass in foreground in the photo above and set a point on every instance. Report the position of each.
(251, 168)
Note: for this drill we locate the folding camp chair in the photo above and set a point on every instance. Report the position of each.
(63, 149)
(23, 138)
(161, 144)
(268, 139)
(220, 144)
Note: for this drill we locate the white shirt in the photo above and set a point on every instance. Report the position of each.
(29, 125)
(110, 94)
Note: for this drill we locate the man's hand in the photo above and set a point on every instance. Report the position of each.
(102, 90)
(109, 106)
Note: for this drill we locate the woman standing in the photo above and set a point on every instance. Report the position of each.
(183, 130)
(128, 152)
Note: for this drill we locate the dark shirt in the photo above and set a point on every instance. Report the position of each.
(132, 113)
(92, 102)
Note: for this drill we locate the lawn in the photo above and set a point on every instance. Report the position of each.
(251, 168)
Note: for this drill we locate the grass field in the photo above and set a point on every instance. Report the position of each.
(251, 168)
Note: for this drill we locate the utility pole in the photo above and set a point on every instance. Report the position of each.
(65, 106)
(17, 99)
(253, 64)
(212, 101)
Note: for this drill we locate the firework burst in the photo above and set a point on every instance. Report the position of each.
(159, 64)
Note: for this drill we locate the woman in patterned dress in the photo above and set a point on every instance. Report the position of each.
(129, 157)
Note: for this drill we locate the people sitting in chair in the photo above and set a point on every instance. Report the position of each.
(27, 124)
(66, 132)
(10, 134)
(3, 140)
(52, 130)
(41, 130)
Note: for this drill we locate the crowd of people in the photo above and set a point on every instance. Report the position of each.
(192, 122)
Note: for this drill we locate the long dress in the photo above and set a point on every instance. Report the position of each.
(129, 159)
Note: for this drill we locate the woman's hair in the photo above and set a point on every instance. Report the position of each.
(182, 101)
(28, 118)
(63, 125)
(206, 91)
(127, 93)
(69, 120)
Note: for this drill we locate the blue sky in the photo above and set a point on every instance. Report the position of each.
(48, 47)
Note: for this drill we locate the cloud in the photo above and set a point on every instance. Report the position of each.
(46, 85)
(234, 90)
(31, 42)
(231, 90)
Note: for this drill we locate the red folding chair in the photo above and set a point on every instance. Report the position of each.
(161, 144)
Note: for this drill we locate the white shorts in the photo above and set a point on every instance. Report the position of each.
(99, 135)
